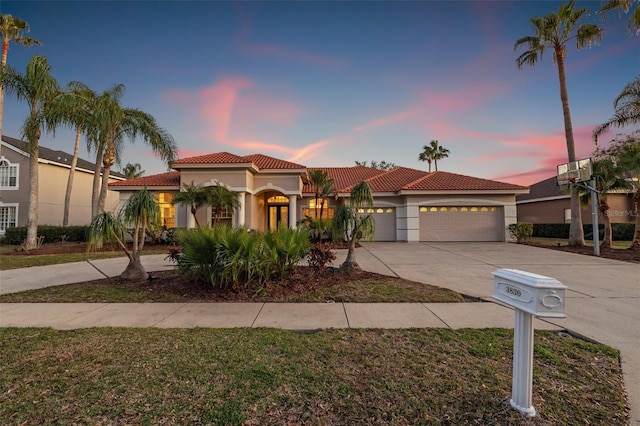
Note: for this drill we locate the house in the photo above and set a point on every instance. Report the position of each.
(53, 173)
(547, 202)
(409, 204)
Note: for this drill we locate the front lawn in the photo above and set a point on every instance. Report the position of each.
(277, 377)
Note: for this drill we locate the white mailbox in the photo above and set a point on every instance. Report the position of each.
(532, 293)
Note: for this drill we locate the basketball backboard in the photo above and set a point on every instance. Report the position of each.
(574, 172)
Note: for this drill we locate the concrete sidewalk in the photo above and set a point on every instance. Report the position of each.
(290, 316)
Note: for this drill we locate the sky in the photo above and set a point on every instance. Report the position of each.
(326, 84)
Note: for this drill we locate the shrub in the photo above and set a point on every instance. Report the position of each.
(551, 230)
(320, 256)
(521, 231)
(621, 231)
(224, 257)
(51, 234)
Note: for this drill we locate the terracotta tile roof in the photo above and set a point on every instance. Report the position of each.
(544, 189)
(444, 181)
(259, 160)
(57, 156)
(394, 179)
(344, 177)
(162, 179)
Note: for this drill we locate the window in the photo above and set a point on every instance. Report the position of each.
(327, 212)
(8, 174)
(167, 210)
(567, 215)
(224, 216)
(278, 199)
(8, 216)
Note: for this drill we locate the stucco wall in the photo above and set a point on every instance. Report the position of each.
(552, 211)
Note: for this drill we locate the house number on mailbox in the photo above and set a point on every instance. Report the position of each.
(512, 290)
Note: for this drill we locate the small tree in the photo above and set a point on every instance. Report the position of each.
(193, 196)
(608, 177)
(132, 170)
(142, 212)
(352, 223)
(221, 199)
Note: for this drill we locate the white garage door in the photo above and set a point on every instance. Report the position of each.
(385, 218)
(461, 223)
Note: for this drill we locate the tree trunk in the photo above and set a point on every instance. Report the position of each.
(96, 185)
(72, 170)
(635, 245)
(350, 261)
(134, 271)
(576, 233)
(5, 50)
(108, 160)
(608, 232)
(195, 217)
(32, 215)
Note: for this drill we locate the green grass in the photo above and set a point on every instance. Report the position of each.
(276, 377)
(26, 261)
(621, 245)
(381, 290)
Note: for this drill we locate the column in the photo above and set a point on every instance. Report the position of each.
(293, 214)
(191, 221)
(241, 209)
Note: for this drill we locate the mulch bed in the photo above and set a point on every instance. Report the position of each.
(617, 254)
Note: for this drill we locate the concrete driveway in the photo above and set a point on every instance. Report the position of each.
(602, 302)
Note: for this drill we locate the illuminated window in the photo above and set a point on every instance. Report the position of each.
(369, 210)
(323, 205)
(474, 209)
(433, 209)
(8, 175)
(389, 211)
(360, 210)
(484, 209)
(454, 209)
(424, 209)
(167, 210)
(464, 209)
(379, 210)
(494, 209)
(278, 199)
(221, 216)
(443, 209)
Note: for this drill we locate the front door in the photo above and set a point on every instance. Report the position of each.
(278, 216)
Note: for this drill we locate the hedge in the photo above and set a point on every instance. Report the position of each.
(621, 231)
(52, 234)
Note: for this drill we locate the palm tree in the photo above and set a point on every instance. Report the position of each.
(352, 224)
(623, 6)
(322, 187)
(141, 211)
(11, 29)
(380, 165)
(132, 170)
(554, 31)
(627, 109)
(221, 199)
(427, 155)
(192, 196)
(439, 152)
(115, 123)
(75, 108)
(39, 89)
(608, 178)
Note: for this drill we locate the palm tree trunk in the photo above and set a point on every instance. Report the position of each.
(96, 185)
(72, 170)
(635, 245)
(195, 217)
(5, 50)
(350, 261)
(32, 215)
(104, 187)
(576, 233)
(608, 232)
(134, 270)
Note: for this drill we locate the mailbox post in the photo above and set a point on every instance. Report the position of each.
(531, 295)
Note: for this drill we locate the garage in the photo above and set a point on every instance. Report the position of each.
(461, 223)
(385, 219)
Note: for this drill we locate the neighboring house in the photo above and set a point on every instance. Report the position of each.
(53, 170)
(409, 204)
(547, 202)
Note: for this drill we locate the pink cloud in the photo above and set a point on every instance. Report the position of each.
(395, 118)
